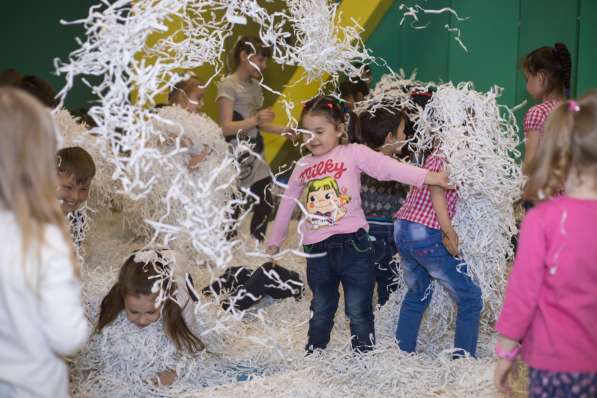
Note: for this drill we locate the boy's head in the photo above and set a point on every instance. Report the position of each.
(76, 169)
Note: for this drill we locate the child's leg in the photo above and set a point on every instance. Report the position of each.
(274, 275)
(385, 266)
(358, 281)
(408, 235)
(449, 271)
(323, 282)
(262, 209)
(415, 301)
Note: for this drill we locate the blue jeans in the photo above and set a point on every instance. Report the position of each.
(348, 260)
(386, 269)
(423, 257)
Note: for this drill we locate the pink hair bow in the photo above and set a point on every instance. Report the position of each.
(573, 106)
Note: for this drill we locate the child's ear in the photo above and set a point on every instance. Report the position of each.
(389, 138)
(243, 56)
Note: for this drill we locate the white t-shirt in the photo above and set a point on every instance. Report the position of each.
(247, 97)
(37, 328)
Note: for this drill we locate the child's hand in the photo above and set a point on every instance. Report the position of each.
(450, 241)
(196, 159)
(165, 378)
(439, 179)
(272, 250)
(265, 116)
(503, 370)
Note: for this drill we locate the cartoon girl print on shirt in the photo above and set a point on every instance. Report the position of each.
(326, 203)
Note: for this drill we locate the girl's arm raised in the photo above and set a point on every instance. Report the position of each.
(385, 168)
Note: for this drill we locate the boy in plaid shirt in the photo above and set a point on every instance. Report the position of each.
(428, 248)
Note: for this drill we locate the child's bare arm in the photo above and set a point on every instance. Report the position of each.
(440, 205)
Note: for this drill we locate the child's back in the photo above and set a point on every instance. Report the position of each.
(551, 295)
(41, 317)
(35, 329)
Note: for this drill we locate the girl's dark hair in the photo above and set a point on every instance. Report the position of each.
(250, 45)
(332, 109)
(375, 126)
(555, 63)
(138, 278)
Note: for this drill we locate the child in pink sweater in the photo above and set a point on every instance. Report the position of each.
(336, 227)
(550, 310)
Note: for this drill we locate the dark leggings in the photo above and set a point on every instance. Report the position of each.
(247, 287)
(262, 208)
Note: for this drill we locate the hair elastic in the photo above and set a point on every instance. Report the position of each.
(573, 106)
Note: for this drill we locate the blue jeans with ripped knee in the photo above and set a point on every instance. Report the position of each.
(343, 259)
(423, 258)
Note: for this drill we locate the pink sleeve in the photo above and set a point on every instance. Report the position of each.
(292, 193)
(525, 281)
(385, 168)
(534, 119)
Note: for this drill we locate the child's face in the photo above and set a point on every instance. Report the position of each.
(141, 309)
(71, 194)
(324, 135)
(192, 101)
(396, 141)
(534, 84)
(349, 101)
(256, 60)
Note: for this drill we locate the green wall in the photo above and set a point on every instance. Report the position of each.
(497, 34)
(31, 36)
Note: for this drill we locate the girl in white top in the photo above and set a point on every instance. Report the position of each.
(242, 116)
(41, 316)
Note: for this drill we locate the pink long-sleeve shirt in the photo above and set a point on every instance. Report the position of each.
(551, 299)
(333, 182)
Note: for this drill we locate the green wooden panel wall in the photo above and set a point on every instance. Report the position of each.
(31, 36)
(490, 35)
(543, 23)
(498, 34)
(587, 47)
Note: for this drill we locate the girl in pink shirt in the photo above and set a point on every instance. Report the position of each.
(550, 309)
(335, 226)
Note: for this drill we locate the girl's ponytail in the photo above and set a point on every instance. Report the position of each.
(561, 52)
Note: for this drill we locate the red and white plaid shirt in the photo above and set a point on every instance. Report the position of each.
(537, 115)
(418, 206)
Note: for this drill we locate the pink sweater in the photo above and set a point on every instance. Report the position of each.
(551, 299)
(333, 182)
